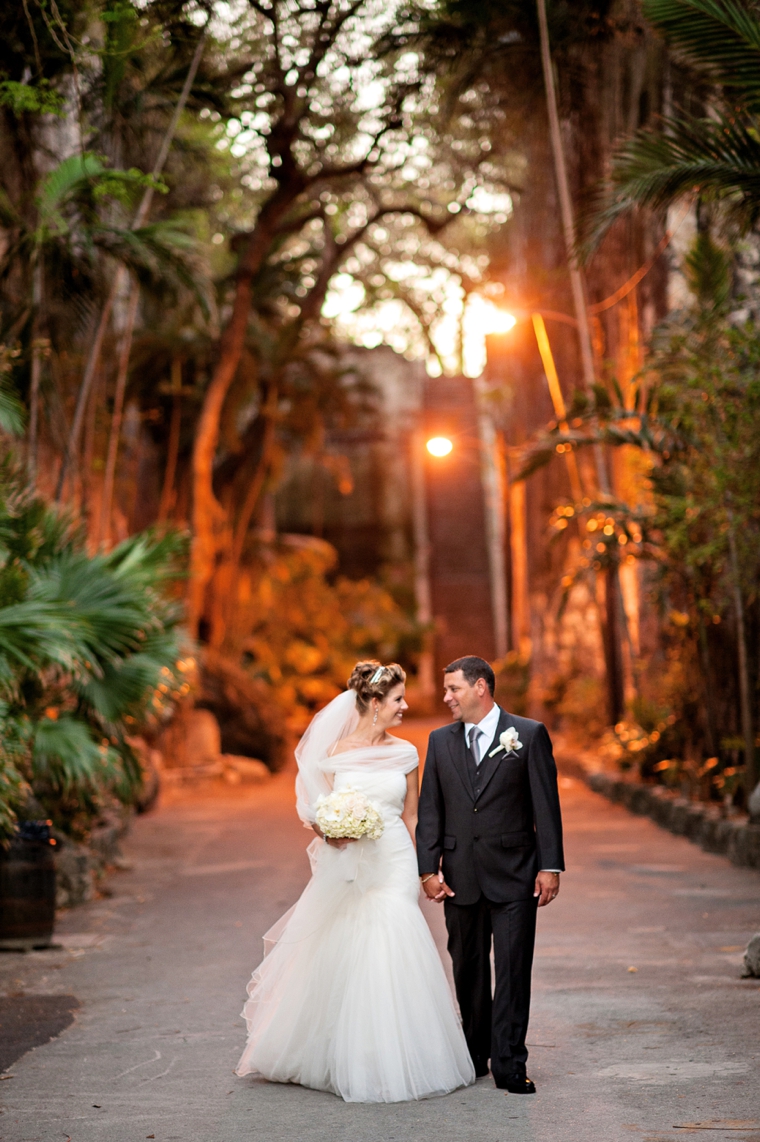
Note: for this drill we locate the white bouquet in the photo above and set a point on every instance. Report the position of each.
(348, 813)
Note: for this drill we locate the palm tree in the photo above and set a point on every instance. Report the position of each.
(89, 652)
(717, 155)
(62, 246)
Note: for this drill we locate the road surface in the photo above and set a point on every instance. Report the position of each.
(642, 1027)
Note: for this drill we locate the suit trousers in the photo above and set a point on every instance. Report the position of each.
(495, 1026)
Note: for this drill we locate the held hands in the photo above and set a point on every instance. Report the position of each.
(547, 887)
(435, 887)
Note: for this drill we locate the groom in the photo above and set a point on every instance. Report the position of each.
(489, 844)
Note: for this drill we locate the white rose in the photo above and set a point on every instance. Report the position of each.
(508, 741)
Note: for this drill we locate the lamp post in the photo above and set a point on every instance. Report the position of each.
(492, 475)
(438, 446)
(492, 320)
(512, 625)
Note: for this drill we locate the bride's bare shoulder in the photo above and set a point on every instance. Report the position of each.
(391, 739)
(342, 746)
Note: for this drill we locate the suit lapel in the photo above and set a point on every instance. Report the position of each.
(457, 750)
(489, 764)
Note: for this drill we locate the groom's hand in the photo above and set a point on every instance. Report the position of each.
(546, 888)
(436, 888)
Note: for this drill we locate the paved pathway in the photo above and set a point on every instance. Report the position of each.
(159, 969)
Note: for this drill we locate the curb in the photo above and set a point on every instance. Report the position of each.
(738, 839)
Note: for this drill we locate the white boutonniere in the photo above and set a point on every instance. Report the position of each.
(508, 741)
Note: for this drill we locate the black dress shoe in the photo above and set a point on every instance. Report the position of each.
(481, 1070)
(516, 1084)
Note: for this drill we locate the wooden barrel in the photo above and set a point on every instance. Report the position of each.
(27, 888)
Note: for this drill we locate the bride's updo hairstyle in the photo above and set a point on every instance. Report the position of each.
(373, 680)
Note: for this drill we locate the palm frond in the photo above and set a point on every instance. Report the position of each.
(64, 182)
(14, 768)
(105, 616)
(93, 641)
(718, 158)
(12, 413)
(36, 633)
(719, 36)
(125, 688)
(148, 558)
(159, 253)
(88, 614)
(65, 754)
(535, 457)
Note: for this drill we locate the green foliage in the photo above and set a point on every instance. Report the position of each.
(720, 36)
(29, 99)
(705, 389)
(15, 759)
(123, 185)
(303, 634)
(717, 156)
(695, 416)
(81, 182)
(708, 272)
(74, 224)
(66, 756)
(12, 413)
(89, 652)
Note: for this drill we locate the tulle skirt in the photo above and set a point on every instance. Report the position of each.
(352, 997)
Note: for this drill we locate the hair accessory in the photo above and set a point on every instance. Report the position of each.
(378, 673)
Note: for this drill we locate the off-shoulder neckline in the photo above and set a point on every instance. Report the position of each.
(394, 741)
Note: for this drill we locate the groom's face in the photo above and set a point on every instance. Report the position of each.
(468, 702)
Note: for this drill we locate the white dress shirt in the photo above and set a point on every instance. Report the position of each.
(487, 727)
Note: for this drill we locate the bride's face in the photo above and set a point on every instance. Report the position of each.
(391, 710)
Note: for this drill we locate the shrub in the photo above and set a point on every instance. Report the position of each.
(89, 654)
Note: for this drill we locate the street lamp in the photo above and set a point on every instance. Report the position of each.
(439, 446)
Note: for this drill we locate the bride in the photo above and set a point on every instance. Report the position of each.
(351, 996)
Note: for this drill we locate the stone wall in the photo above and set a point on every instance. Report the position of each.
(738, 837)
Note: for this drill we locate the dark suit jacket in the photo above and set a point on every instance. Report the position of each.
(494, 844)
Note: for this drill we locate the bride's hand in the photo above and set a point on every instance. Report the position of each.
(340, 842)
(333, 842)
(436, 888)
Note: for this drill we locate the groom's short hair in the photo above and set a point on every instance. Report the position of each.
(473, 668)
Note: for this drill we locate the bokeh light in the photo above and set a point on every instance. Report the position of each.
(439, 446)
(481, 319)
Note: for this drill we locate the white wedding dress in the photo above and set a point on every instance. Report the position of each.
(352, 997)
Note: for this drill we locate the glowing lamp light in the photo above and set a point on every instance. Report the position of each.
(482, 319)
(497, 321)
(439, 446)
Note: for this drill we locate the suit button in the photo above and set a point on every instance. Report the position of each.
(475, 809)
(476, 837)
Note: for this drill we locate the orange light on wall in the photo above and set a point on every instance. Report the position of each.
(439, 446)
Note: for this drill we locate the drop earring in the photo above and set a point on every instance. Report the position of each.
(374, 720)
